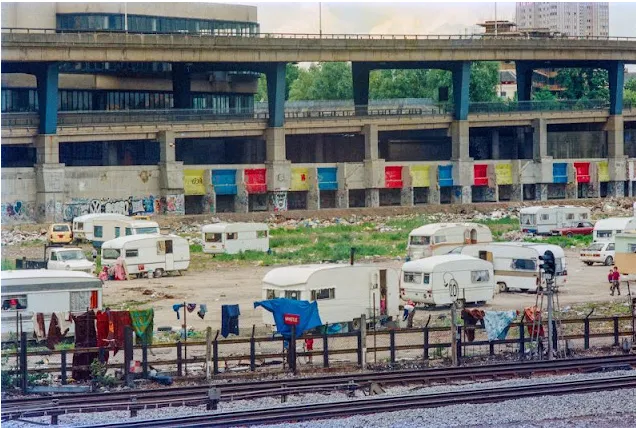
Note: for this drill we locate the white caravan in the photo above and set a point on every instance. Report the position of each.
(429, 280)
(232, 238)
(155, 253)
(83, 225)
(541, 220)
(440, 238)
(343, 292)
(107, 229)
(26, 292)
(515, 267)
(606, 229)
(559, 258)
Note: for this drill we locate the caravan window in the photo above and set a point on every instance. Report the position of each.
(161, 248)
(583, 216)
(79, 226)
(420, 240)
(110, 253)
(132, 253)
(412, 277)
(261, 234)
(325, 293)
(12, 303)
(271, 294)
(128, 231)
(98, 231)
(145, 230)
(527, 219)
(82, 300)
(603, 233)
(294, 295)
(480, 276)
(441, 238)
(213, 237)
(545, 216)
(117, 232)
(569, 216)
(524, 264)
(233, 235)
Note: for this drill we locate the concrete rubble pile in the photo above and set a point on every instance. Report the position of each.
(17, 236)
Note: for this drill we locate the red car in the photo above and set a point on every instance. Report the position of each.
(582, 228)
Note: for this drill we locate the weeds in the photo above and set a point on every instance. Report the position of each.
(8, 264)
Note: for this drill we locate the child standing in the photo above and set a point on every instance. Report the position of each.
(616, 281)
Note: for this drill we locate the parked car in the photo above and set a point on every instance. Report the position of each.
(60, 233)
(599, 252)
(581, 228)
(59, 258)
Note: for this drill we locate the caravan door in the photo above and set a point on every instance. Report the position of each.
(169, 256)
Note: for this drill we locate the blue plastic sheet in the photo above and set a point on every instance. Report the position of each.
(498, 323)
(307, 312)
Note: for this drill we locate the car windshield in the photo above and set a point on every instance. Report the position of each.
(71, 255)
(597, 246)
(60, 228)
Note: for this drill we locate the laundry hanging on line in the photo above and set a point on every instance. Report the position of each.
(230, 320)
(191, 307)
(142, 324)
(498, 323)
(203, 308)
(177, 307)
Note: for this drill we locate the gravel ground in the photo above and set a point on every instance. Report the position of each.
(580, 410)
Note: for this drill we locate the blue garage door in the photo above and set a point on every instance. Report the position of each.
(560, 172)
(224, 181)
(328, 178)
(445, 173)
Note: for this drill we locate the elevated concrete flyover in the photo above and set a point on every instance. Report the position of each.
(21, 45)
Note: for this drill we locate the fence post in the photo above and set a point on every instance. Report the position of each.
(63, 366)
(459, 345)
(215, 353)
(392, 344)
(128, 353)
(179, 369)
(253, 350)
(102, 355)
(208, 351)
(363, 339)
(425, 343)
(555, 337)
(292, 350)
(522, 339)
(23, 363)
(359, 339)
(616, 338)
(144, 359)
(325, 350)
(491, 345)
(586, 333)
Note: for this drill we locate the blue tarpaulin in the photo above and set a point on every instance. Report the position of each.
(307, 312)
(498, 323)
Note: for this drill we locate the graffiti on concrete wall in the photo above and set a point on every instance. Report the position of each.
(126, 206)
(18, 212)
(170, 204)
(278, 201)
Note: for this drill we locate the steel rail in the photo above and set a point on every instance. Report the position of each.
(196, 395)
(348, 408)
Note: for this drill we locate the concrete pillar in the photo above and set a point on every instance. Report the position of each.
(320, 148)
(616, 74)
(47, 149)
(181, 85)
(615, 129)
(49, 197)
(167, 146)
(360, 73)
(462, 195)
(616, 189)
(372, 198)
(495, 144)
(170, 171)
(539, 139)
(276, 93)
(342, 194)
(541, 191)
(275, 145)
(461, 84)
(516, 195)
(524, 80)
(47, 80)
(371, 144)
(460, 140)
(406, 193)
(313, 195)
(241, 201)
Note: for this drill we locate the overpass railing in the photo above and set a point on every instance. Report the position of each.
(547, 105)
(336, 36)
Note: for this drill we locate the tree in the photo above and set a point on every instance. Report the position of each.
(543, 94)
(484, 78)
(580, 83)
(292, 72)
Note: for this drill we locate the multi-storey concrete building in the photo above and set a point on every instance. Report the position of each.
(570, 18)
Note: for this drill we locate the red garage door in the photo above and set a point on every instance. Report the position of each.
(256, 180)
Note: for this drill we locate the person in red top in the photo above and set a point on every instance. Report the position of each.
(616, 284)
(309, 346)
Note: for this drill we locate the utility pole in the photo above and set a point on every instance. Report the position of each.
(320, 17)
(495, 19)
(126, 17)
(549, 292)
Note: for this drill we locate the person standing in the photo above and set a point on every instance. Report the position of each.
(616, 281)
(410, 306)
(309, 346)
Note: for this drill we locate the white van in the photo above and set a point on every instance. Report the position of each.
(343, 292)
(541, 220)
(599, 252)
(27, 292)
(440, 238)
(83, 225)
(107, 229)
(428, 280)
(515, 267)
(606, 229)
(155, 253)
(232, 238)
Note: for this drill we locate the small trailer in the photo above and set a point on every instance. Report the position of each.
(112, 228)
(542, 220)
(605, 230)
(343, 292)
(83, 225)
(429, 280)
(626, 255)
(27, 292)
(154, 253)
(440, 238)
(232, 238)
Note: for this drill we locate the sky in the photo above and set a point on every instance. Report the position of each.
(404, 18)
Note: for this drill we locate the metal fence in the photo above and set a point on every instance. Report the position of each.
(267, 353)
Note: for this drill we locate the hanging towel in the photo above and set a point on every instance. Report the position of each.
(230, 320)
(142, 324)
(308, 313)
(54, 335)
(177, 308)
(39, 329)
(65, 321)
(471, 318)
(120, 319)
(85, 337)
(191, 307)
(203, 308)
(102, 324)
(498, 323)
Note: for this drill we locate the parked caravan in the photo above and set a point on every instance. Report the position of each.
(343, 292)
(83, 225)
(515, 267)
(541, 220)
(626, 254)
(440, 238)
(232, 238)
(26, 292)
(606, 229)
(107, 229)
(154, 253)
(559, 258)
(429, 280)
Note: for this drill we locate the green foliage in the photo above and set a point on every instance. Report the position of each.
(8, 264)
(543, 94)
(99, 374)
(583, 83)
(196, 248)
(484, 77)
(564, 241)
(629, 94)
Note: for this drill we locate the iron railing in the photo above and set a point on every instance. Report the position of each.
(525, 106)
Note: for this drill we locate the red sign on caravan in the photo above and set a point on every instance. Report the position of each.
(291, 319)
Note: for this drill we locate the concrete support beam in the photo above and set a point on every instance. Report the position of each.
(171, 178)
(276, 93)
(495, 144)
(406, 194)
(241, 202)
(616, 189)
(462, 195)
(167, 146)
(617, 168)
(615, 128)
(49, 197)
(460, 140)
(342, 194)
(181, 85)
(616, 74)
(360, 73)
(371, 145)
(372, 198)
(461, 85)
(47, 149)
(313, 194)
(47, 80)
(541, 190)
(275, 150)
(524, 81)
(539, 139)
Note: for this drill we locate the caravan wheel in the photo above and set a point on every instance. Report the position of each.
(502, 287)
(158, 273)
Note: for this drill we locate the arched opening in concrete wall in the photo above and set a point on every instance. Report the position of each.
(219, 151)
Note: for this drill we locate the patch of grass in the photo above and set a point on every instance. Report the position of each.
(288, 241)
(8, 264)
(196, 248)
(564, 241)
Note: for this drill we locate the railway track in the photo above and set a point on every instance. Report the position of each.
(134, 400)
(342, 409)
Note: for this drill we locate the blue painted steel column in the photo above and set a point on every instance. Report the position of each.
(47, 80)
(360, 73)
(524, 81)
(616, 73)
(181, 86)
(276, 93)
(461, 84)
